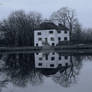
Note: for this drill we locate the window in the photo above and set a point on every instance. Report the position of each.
(65, 38)
(37, 53)
(66, 57)
(53, 53)
(65, 32)
(40, 64)
(53, 44)
(66, 64)
(46, 57)
(52, 39)
(59, 31)
(36, 44)
(51, 65)
(52, 58)
(51, 32)
(59, 38)
(39, 33)
(59, 58)
(39, 39)
(40, 58)
(46, 39)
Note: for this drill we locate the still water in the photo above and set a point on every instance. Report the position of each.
(45, 72)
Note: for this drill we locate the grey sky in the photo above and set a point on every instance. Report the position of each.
(46, 7)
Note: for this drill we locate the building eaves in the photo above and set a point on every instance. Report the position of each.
(51, 26)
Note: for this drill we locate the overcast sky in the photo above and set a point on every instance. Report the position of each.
(46, 7)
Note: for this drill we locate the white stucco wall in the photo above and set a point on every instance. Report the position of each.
(63, 34)
(46, 34)
(46, 63)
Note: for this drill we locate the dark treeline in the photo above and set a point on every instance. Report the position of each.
(19, 27)
(82, 36)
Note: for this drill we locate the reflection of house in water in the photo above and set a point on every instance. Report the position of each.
(51, 60)
(50, 34)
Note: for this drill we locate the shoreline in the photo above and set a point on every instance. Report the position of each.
(69, 49)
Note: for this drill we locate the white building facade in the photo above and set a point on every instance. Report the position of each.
(51, 36)
(51, 60)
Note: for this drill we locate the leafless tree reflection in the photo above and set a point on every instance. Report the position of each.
(69, 74)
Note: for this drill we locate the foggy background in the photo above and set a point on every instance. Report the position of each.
(46, 7)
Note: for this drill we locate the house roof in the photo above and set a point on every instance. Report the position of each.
(62, 27)
(49, 71)
(51, 25)
(46, 26)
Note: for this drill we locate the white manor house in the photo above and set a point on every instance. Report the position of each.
(51, 60)
(50, 34)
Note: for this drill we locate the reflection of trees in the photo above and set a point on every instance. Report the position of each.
(36, 78)
(3, 84)
(69, 75)
(20, 69)
(3, 79)
(87, 58)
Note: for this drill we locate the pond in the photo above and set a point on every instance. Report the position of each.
(45, 72)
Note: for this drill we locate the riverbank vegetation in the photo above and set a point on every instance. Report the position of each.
(19, 27)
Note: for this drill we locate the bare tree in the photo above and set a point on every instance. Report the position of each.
(35, 19)
(68, 76)
(66, 17)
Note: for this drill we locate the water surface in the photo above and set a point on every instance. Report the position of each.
(45, 72)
